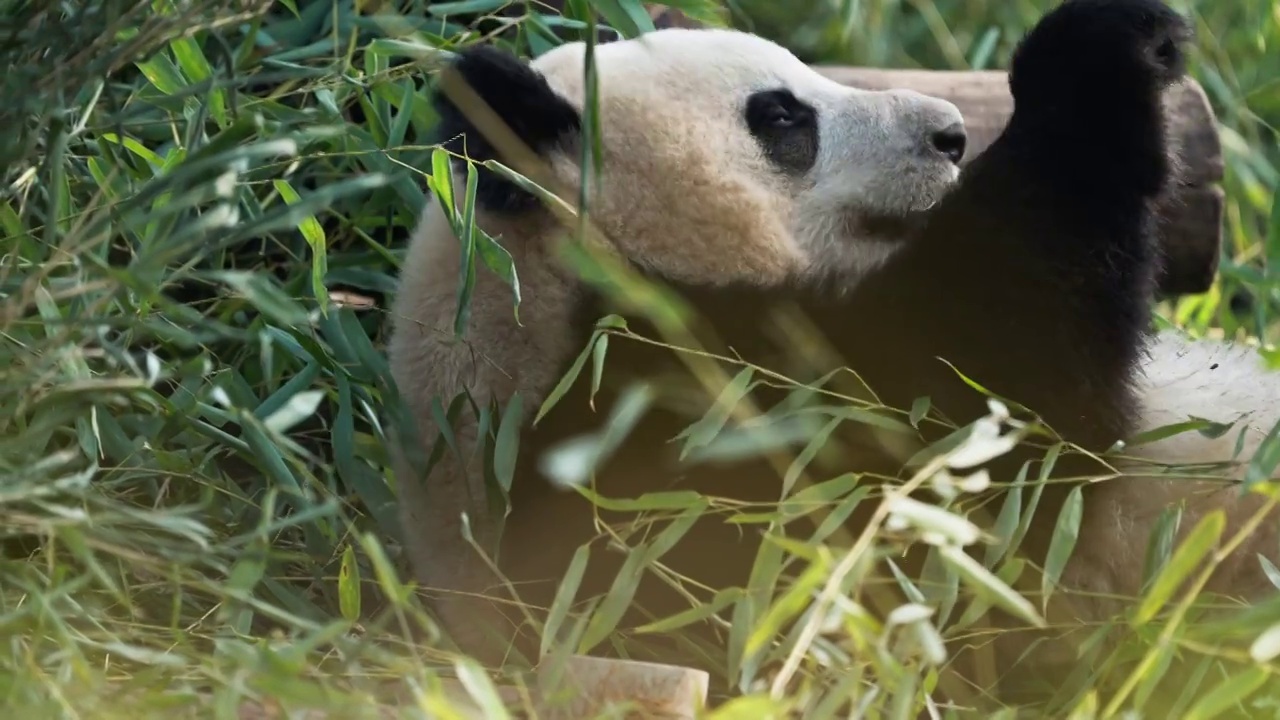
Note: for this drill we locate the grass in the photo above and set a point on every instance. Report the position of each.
(203, 209)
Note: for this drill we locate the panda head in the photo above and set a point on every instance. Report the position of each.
(725, 158)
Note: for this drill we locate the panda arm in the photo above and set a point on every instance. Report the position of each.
(1034, 276)
(496, 358)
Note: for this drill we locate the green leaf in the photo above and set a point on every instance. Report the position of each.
(1046, 471)
(297, 408)
(466, 7)
(1270, 570)
(313, 233)
(785, 608)
(1198, 544)
(1272, 241)
(499, 262)
(699, 612)
(672, 533)
(1161, 543)
(349, 585)
(480, 688)
(1228, 693)
(398, 48)
(467, 237)
(806, 456)
(1266, 647)
(919, 408)
(400, 125)
(506, 446)
(1208, 428)
(573, 462)
(705, 12)
(818, 495)
(990, 587)
(246, 574)
(628, 17)
(749, 707)
(369, 485)
(441, 181)
(616, 602)
(163, 74)
(566, 381)
(265, 296)
(384, 571)
(1265, 459)
(563, 600)
(1007, 521)
(648, 502)
(193, 64)
(982, 50)
(1062, 544)
(701, 433)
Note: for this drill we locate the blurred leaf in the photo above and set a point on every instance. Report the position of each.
(700, 433)
(616, 602)
(480, 688)
(1231, 691)
(573, 462)
(296, 409)
(1191, 551)
(349, 585)
(1265, 459)
(1161, 544)
(628, 17)
(563, 600)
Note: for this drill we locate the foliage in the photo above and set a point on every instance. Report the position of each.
(204, 208)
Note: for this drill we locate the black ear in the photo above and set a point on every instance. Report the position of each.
(520, 97)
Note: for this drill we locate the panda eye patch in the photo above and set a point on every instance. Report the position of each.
(785, 127)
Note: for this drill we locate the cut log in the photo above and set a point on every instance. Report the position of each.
(589, 687)
(586, 687)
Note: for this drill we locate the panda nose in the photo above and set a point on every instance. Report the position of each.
(950, 141)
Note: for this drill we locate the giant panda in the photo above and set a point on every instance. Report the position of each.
(746, 182)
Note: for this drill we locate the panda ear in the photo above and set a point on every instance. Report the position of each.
(521, 98)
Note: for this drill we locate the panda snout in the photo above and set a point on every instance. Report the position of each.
(950, 141)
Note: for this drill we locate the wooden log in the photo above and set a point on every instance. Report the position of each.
(589, 686)
(584, 687)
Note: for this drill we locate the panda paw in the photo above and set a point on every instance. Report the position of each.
(1098, 51)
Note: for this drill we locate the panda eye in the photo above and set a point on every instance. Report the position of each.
(779, 117)
(785, 127)
(776, 110)
(776, 114)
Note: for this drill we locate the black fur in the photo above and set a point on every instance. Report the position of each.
(1033, 277)
(786, 128)
(538, 115)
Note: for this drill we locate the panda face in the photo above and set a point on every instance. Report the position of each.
(729, 159)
